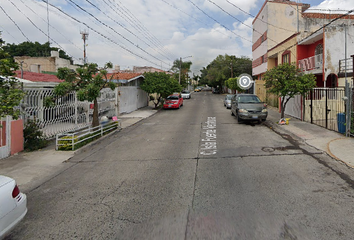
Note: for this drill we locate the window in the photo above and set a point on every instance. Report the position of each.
(286, 57)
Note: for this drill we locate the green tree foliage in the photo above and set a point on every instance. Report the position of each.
(231, 83)
(11, 92)
(34, 49)
(161, 84)
(181, 67)
(87, 81)
(286, 81)
(224, 67)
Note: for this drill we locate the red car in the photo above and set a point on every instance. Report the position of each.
(173, 101)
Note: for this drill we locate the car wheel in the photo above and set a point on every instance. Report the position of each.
(239, 120)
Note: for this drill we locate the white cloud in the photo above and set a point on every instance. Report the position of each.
(335, 5)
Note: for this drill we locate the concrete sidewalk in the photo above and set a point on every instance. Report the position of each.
(335, 144)
(30, 169)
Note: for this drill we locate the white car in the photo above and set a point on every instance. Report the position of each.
(13, 205)
(186, 94)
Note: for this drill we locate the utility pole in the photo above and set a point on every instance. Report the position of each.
(84, 35)
(180, 70)
(232, 71)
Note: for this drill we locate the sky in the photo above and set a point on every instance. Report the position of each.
(140, 32)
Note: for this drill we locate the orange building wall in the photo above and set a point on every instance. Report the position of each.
(17, 140)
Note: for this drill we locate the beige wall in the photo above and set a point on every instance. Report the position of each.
(40, 64)
(278, 51)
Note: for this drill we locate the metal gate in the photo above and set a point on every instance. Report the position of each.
(294, 107)
(5, 137)
(326, 107)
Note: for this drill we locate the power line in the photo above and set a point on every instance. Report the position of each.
(189, 15)
(100, 34)
(50, 25)
(324, 26)
(120, 25)
(115, 31)
(9, 34)
(15, 24)
(255, 17)
(38, 27)
(217, 21)
(136, 24)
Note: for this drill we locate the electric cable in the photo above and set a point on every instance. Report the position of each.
(100, 34)
(136, 24)
(50, 25)
(122, 26)
(104, 24)
(15, 24)
(217, 21)
(39, 28)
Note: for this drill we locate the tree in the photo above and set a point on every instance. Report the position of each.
(231, 83)
(34, 49)
(87, 81)
(11, 92)
(286, 81)
(161, 84)
(181, 68)
(224, 67)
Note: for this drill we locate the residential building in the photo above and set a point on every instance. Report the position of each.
(277, 21)
(325, 46)
(43, 64)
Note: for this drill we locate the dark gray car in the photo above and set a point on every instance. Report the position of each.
(248, 107)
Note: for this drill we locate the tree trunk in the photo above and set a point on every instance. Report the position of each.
(95, 121)
(283, 104)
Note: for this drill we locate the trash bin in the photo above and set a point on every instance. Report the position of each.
(341, 122)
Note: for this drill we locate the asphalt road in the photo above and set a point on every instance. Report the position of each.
(194, 173)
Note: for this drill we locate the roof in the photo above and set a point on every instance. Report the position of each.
(38, 77)
(124, 76)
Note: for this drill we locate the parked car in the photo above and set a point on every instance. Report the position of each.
(216, 90)
(227, 100)
(173, 101)
(13, 205)
(186, 94)
(248, 107)
(198, 89)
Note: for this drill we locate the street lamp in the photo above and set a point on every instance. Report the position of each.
(180, 68)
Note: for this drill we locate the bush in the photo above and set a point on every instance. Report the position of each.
(34, 138)
(67, 140)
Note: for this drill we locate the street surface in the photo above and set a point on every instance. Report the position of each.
(194, 173)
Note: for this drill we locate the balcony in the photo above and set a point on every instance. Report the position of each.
(345, 66)
(312, 64)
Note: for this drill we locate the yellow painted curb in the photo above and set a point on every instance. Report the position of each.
(332, 155)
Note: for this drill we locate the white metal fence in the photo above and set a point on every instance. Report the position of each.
(67, 114)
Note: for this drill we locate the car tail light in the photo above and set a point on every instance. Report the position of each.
(15, 192)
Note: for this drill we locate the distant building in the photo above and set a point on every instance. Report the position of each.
(43, 64)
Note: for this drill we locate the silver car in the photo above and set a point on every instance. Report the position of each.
(248, 107)
(227, 101)
(186, 94)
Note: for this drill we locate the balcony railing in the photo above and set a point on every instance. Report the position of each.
(346, 65)
(311, 63)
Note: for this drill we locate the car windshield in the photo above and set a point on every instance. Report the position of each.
(172, 97)
(185, 91)
(248, 99)
(228, 97)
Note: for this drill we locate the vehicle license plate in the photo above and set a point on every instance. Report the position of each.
(255, 117)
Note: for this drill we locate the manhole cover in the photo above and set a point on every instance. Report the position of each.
(268, 149)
